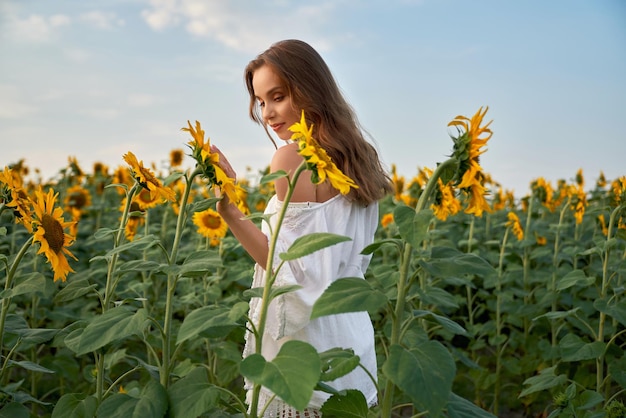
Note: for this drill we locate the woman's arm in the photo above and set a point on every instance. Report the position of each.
(247, 233)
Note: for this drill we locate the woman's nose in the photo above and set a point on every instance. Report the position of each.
(268, 111)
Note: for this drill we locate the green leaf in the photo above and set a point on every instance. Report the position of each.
(275, 291)
(216, 321)
(75, 405)
(152, 403)
(615, 310)
(142, 243)
(445, 322)
(574, 278)
(74, 289)
(198, 263)
(373, 247)
(350, 294)
(450, 262)
(292, 375)
(115, 324)
(428, 365)
(193, 395)
(413, 226)
(202, 205)
(573, 348)
(34, 282)
(14, 410)
(558, 314)
(459, 407)
(29, 365)
(268, 178)
(546, 379)
(35, 335)
(310, 243)
(352, 404)
(337, 362)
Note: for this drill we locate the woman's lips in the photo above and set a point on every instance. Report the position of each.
(275, 127)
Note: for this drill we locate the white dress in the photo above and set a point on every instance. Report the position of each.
(288, 314)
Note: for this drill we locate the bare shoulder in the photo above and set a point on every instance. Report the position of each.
(286, 158)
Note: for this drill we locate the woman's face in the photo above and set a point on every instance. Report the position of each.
(277, 109)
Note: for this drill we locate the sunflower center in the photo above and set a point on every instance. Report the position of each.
(53, 234)
(78, 200)
(212, 221)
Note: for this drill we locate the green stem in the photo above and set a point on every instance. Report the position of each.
(109, 287)
(496, 392)
(6, 302)
(269, 281)
(402, 287)
(172, 280)
(555, 267)
(603, 292)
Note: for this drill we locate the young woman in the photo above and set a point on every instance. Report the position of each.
(288, 78)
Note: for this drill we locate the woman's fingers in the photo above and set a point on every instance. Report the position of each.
(224, 163)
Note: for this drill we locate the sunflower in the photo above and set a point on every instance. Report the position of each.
(468, 146)
(210, 224)
(601, 182)
(543, 191)
(578, 203)
(446, 203)
(15, 196)
(317, 160)
(514, 223)
(49, 227)
(77, 197)
(208, 161)
(386, 220)
(147, 180)
(398, 183)
(176, 157)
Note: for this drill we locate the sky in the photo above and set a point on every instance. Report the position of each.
(93, 79)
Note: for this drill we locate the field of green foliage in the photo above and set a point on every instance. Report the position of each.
(125, 295)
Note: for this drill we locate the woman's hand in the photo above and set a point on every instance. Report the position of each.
(224, 164)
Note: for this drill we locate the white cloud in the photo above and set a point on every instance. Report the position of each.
(101, 113)
(37, 28)
(142, 100)
(246, 25)
(102, 20)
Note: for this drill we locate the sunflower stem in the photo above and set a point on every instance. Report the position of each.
(402, 286)
(269, 280)
(6, 302)
(172, 279)
(109, 287)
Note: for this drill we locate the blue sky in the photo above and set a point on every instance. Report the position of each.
(96, 79)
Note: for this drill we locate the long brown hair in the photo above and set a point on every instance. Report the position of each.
(312, 88)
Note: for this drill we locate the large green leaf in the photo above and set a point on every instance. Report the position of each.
(31, 283)
(450, 262)
(446, 323)
(413, 226)
(337, 362)
(615, 310)
(198, 263)
(75, 289)
(75, 405)
(152, 403)
(216, 321)
(546, 379)
(459, 407)
(351, 404)
(310, 243)
(292, 375)
(193, 395)
(573, 278)
(14, 410)
(142, 243)
(350, 294)
(428, 365)
(115, 324)
(573, 348)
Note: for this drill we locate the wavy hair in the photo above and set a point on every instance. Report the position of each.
(312, 88)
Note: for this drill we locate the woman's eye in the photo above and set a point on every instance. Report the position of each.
(278, 98)
(261, 104)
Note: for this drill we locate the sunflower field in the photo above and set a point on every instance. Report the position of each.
(125, 295)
